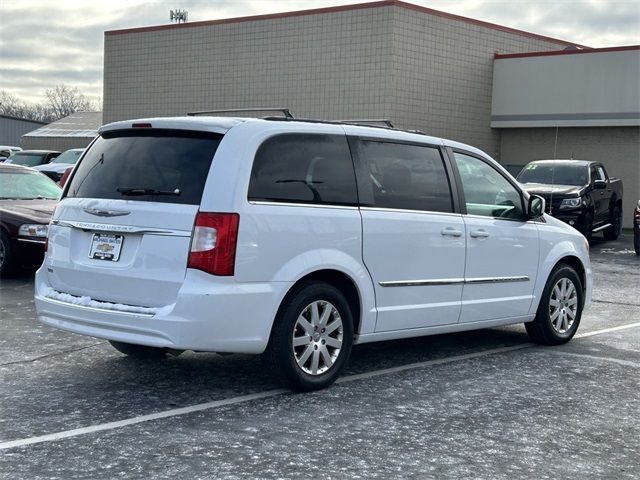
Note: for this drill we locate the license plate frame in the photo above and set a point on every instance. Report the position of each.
(106, 246)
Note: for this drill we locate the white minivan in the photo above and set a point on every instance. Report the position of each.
(297, 239)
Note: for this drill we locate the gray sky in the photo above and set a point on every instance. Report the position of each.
(45, 42)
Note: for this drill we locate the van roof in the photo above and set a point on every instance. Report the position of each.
(223, 124)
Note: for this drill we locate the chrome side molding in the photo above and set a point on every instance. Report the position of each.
(453, 281)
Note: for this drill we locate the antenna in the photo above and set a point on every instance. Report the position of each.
(553, 171)
(178, 16)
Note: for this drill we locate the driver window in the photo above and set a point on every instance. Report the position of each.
(486, 191)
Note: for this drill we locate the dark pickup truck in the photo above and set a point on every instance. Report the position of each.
(578, 192)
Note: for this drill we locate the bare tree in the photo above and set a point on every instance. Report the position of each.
(12, 106)
(64, 100)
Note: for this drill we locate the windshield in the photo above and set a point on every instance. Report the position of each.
(27, 186)
(26, 159)
(70, 156)
(154, 165)
(550, 174)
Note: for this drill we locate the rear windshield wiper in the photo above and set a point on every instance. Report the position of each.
(147, 191)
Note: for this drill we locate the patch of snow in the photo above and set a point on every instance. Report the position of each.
(624, 251)
(85, 301)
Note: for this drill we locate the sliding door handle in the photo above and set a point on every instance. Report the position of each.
(479, 233)
(451, 232)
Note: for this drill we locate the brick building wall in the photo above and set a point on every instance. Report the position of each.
(422, 69)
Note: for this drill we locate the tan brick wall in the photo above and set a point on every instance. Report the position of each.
(422, 71)
(443, 74)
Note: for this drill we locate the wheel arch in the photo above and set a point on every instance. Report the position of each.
(575, 263)
(342, 282)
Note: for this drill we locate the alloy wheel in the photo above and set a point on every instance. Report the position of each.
(563, 305)
(317, 337)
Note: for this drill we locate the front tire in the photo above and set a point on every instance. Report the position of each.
(311, 338)
(587, 226)
(7, 260)
(140, 352)
(613, 232)
(560, 308)
(636, 242)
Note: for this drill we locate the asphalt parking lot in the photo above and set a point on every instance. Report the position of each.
(484, 404)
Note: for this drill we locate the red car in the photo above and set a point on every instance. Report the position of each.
(27, 200)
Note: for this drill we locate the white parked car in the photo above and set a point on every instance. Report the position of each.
(7, 150)
(296, 240)
(56, 168)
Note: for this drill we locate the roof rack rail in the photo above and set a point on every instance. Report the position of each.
(369, 121)
(285, 111)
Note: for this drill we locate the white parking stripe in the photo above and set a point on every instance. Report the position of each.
(607, 330)
(272, 393)
(624, 363)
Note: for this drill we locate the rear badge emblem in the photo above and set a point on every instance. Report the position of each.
(106, 213)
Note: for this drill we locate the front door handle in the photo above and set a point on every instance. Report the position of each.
(451, 232)
(479, 233)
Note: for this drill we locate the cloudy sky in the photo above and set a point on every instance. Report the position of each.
(48, 42)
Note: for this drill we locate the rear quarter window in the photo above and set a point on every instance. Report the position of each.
(156, 165)
(304, 168)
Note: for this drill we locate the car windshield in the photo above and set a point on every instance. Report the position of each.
(26, 159)
(550, 174)
(27, 186)
(70, 156)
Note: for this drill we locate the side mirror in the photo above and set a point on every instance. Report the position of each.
(599, 185)
(536, 206)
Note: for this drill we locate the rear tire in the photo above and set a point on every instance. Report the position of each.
(560, 308)
(140, 352)
(311, 338)
(636, 242)
(613, 232)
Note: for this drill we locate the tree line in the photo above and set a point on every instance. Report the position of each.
(60, 102)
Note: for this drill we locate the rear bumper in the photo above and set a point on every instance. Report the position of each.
(210, 314)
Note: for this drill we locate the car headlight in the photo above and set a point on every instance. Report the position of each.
(33, 230)
(571, 202)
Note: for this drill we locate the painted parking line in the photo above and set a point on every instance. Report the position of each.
(624, 363)
(272, 393)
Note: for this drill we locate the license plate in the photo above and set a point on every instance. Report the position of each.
(106, 246)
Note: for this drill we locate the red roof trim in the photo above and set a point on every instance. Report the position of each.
(499, 56)
(344, 8)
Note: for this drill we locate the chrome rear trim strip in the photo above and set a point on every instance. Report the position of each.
(419, 283)
(496, 280)
(453, 281)
(103, 227)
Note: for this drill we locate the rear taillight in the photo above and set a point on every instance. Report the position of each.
(65, 176)
(46, 239)
(213, 243)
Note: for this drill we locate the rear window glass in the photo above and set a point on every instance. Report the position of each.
(155, 165)
(304, 168)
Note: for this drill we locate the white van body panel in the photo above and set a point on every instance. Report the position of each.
(278, 244)
(557, 241)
